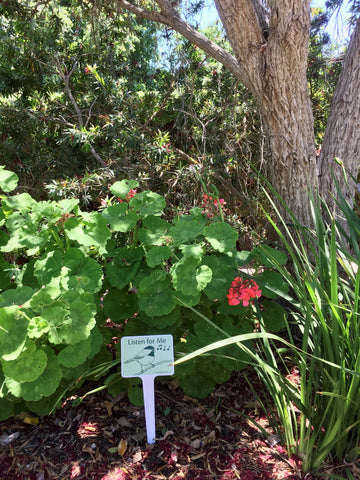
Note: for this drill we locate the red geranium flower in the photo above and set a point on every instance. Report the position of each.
(212, 206)
(243, 290)
(131, 194)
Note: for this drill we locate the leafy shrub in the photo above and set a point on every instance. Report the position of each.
(67, 273)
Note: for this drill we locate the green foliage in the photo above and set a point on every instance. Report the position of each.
(8, 179)
(316, 400)
(324, 67)
(325, 302)
(87, 93)
(56, 59)
(85, 269)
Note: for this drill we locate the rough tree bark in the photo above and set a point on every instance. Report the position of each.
(272, 44)
(270, 41)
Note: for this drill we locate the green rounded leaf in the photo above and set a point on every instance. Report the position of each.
(186, 229)
(8, 180)
(196, 385)
(188, 277)
(218, 371)
(73, 355)
(67, 204)
(81, 272)
(148, 203)
(5, 273)
(119, 219)
(156, 255)
(47, 405)
(82, 322)
(222, 268)
(96, 342)
(123, 187)
(156, 324)
(22, 202)
(48, 267)
(127, 222)
(221, 236)
(155, 294)
(16, 296)
(119, 274)
(114, 212)
(136, 395)
(37, 327)
(56, 317)
(190, 300)
(90, 231)
(43, 386)
(125, 265)
(6, 409)
(270, 257)
(154, 231)
(120, 305)
(274, 315)
(27, 277)
(16, 221)
(244, 257)
(13, 331)
(27, 367)
(32, 239)
(192, 251)
(44, 297)
(275, 285)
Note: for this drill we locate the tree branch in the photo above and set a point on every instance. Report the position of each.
(245, 23)
(170, 17)
(65, 75)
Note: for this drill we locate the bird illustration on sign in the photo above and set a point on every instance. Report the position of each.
(145, 358)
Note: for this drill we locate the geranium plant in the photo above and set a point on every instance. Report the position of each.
(69, 275)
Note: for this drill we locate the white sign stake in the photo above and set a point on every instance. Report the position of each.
(147, 357)
(149, 403)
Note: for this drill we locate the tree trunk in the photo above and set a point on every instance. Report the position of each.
(274, 46)
(270, 43)
(342, 136)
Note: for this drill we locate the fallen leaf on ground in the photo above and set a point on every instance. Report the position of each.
(122, 447)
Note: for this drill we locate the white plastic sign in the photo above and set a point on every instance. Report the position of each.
(147, 356)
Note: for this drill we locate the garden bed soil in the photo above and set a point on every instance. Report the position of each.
(104, 438)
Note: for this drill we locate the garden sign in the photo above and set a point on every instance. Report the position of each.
(147, 356)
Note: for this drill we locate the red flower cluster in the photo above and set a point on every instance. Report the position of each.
(210, 204)
(243, 291)
(208, 199)
(131, 194)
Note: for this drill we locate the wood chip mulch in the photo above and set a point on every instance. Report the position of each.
(104, 438)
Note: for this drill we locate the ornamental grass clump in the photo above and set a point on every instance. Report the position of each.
(324, 280)
(318, 417)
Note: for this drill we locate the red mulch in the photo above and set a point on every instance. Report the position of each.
(105, 439)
